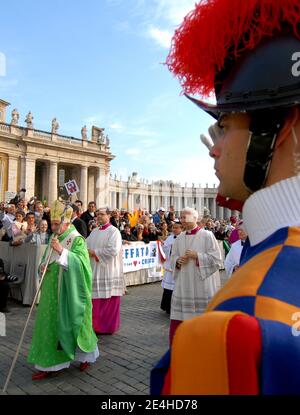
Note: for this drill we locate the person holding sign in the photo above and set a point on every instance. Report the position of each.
(72, 187)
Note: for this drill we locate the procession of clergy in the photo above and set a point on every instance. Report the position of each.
(84, 282)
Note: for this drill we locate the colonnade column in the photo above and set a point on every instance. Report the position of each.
(52, 194)
(84, 186)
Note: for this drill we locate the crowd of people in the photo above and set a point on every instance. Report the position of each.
(23, 221)
(29, 222)
(246, 340)
(92, 260)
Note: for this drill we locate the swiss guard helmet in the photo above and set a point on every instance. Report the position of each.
(248, 53)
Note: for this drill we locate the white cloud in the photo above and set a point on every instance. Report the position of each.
(121, 172)
(148, 143)
(123, 26)
(116, 126)
(133, 151)
(168, 14)
(102, 120)
(92, 120)
(174, 10)
(139, 131)
(161, 37)
(8, 83)
(193, 169)
(157, 19)
(142, 132)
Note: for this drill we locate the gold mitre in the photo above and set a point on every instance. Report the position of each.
(60, 211)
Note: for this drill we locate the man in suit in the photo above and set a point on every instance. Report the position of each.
(77, 222)
(89, 215)
(115, 219)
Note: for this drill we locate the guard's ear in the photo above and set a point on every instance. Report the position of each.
(291, 121)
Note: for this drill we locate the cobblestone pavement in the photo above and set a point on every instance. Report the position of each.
(126, 357)
(125, 361)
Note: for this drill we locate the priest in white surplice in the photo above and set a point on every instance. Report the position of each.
(232, 260)
(195, 260)
(105, 249)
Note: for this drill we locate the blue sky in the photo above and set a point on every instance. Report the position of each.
(99, 62)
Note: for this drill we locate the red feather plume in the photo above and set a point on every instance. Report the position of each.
(202, 43)
(231, 204)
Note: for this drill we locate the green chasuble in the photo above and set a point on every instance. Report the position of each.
(64, 314)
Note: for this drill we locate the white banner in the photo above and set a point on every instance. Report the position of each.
(139, 255)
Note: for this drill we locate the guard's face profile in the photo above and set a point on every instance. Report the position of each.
(229, 153)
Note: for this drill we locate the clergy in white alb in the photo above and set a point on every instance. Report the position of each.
(232, 260)
(105, 249)
(196, 259)
(168, 280)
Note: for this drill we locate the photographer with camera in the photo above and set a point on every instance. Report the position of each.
(7, 217)
(19, 196)
(89, 217)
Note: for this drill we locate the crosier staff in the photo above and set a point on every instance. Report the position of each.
(31, 309)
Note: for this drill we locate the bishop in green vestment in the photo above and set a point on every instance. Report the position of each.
(63, 328)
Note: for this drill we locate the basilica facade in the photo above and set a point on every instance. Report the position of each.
(43, 161)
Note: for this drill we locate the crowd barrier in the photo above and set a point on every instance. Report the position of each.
(141, 264)
(30, 256)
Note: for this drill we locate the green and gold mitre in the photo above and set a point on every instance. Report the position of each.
(61, 211)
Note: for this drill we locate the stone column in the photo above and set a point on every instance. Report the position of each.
(213, 208)
(227, 213)
(165, 201)
(101, 197)
(97, 188)
(23, 172)
(152, 202)
(84, 186)
(106, 186)
(130, 201)
(29, 177)
(45, 180)
(52, 196)
(113, 200)
(177, 208)
(91, 185)
(12, 174)
(221, 212)
(146, 206)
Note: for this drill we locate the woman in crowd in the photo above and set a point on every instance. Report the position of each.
(41, 237)
(164, 232)
(19, 226)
